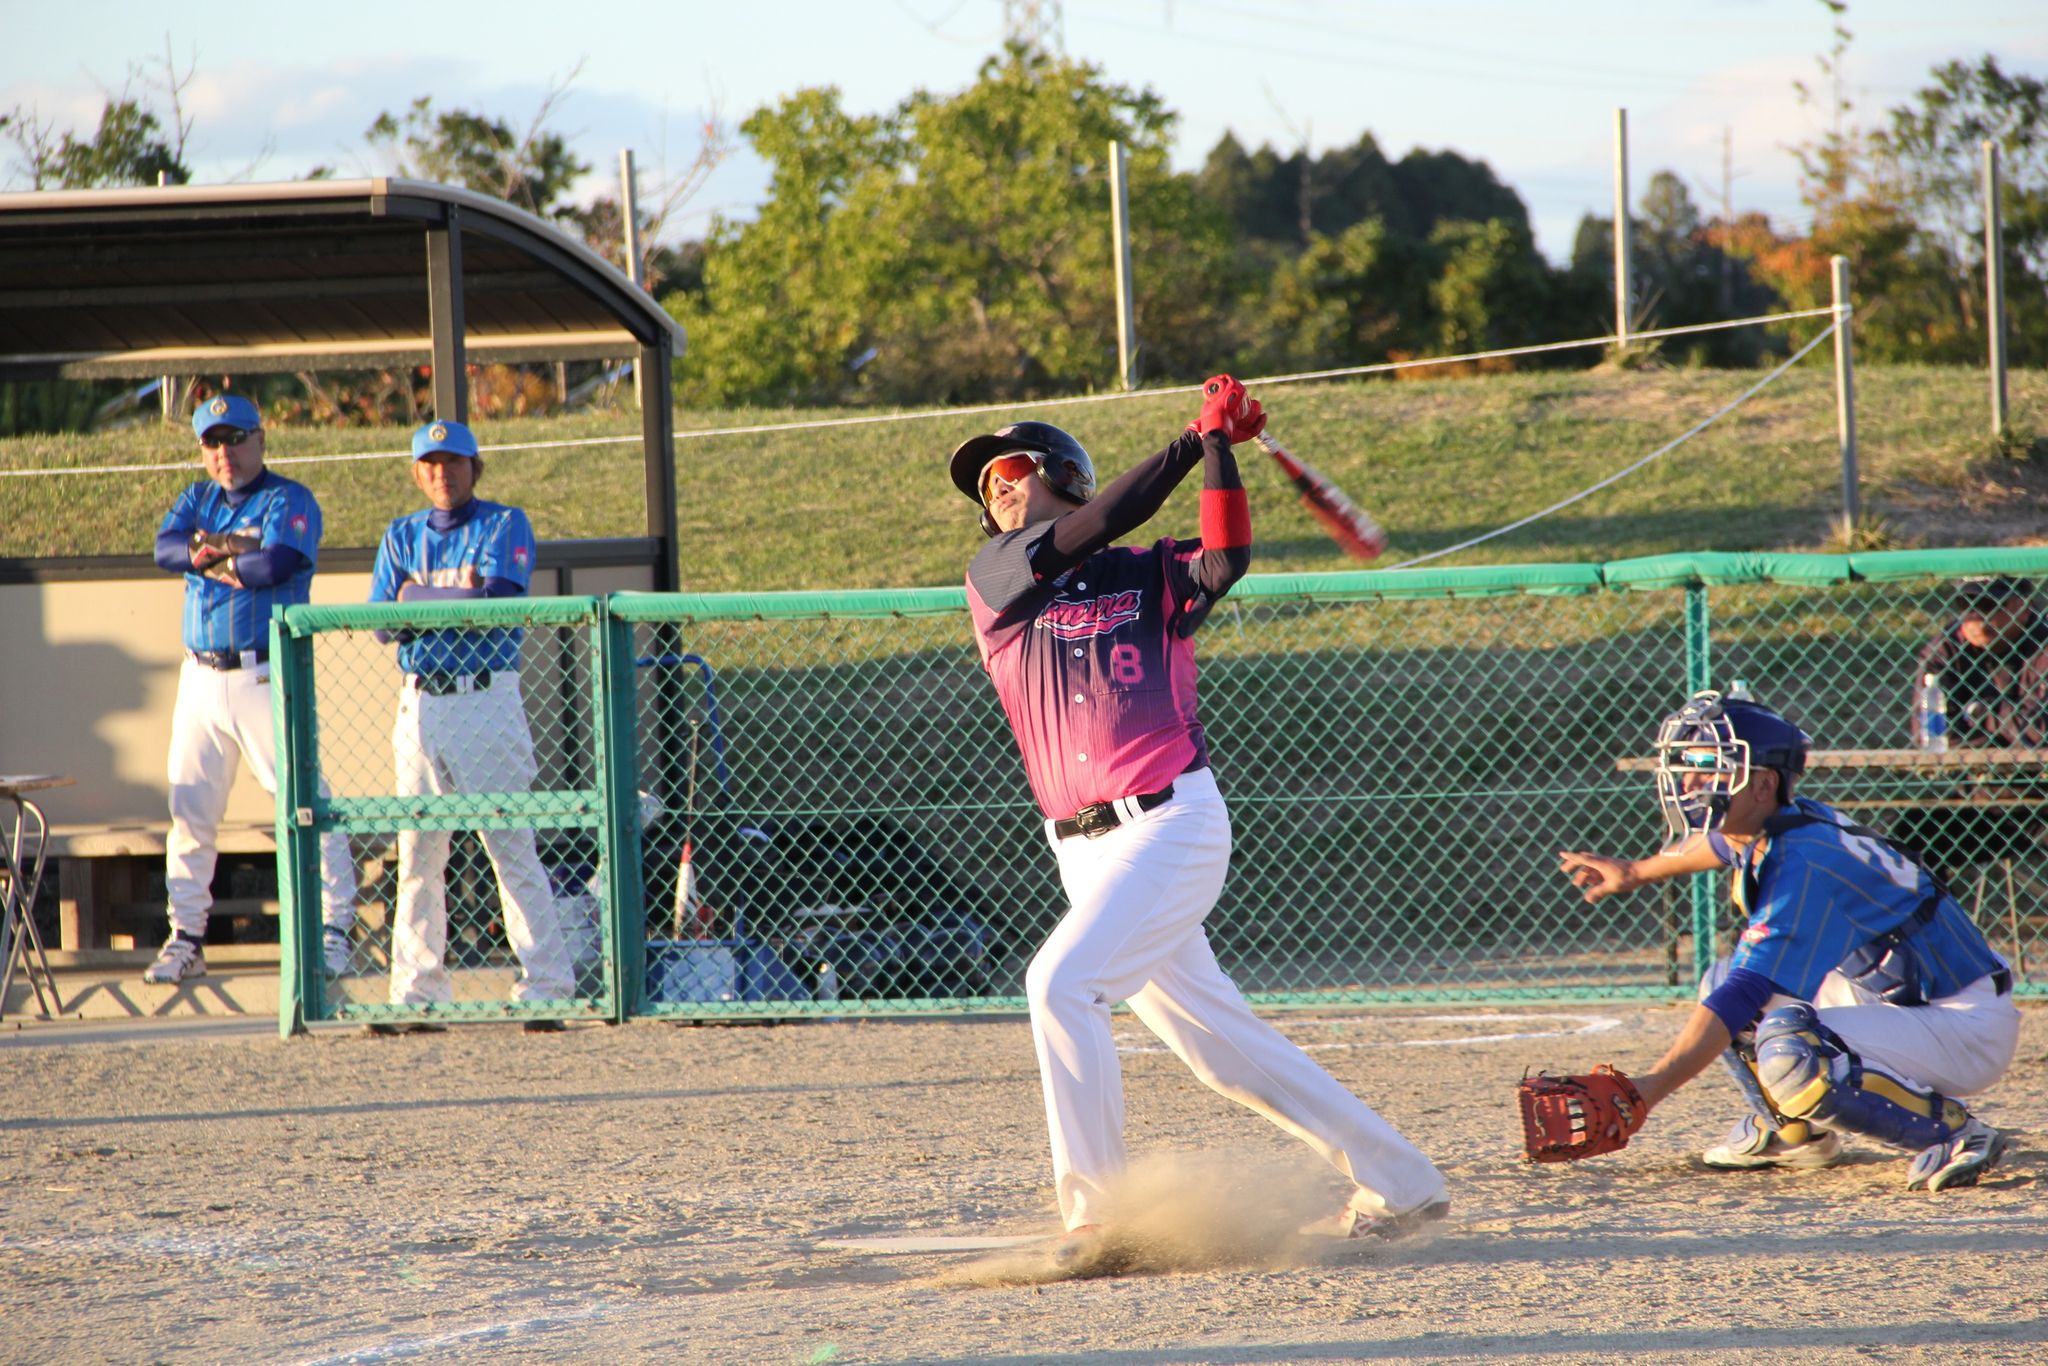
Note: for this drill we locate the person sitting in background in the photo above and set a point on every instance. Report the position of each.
(1992, 661)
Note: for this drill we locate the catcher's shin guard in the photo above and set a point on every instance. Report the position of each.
(1809, 1073)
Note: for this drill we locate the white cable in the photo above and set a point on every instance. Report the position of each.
(926, 414)
(1671, 445)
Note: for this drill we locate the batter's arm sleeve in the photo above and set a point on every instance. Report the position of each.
(1126, 504)
(1226, 520)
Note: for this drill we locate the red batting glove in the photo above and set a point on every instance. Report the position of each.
(1247, 422)
(1222, 397)
(204, 554)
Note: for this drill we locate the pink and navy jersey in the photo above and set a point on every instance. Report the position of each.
(1095, 669)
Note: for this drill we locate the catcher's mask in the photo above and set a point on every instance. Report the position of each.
(1062, 463)
(1706, 751)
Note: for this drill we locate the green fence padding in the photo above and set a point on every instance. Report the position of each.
(1709, 569)
(387, 616)
(863, 602)
(1888, 566)
(1397, 585)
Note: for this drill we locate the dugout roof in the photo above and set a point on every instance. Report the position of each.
(322, 274)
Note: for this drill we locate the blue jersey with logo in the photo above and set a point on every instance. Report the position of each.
(489, 541)
(1816, 893)
(282, 512)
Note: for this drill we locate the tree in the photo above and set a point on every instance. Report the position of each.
(134, 144)
(1492, 290)
(1679, 265)
(1935, 146)
(1360, 297)
(532, 169)
(955, 248)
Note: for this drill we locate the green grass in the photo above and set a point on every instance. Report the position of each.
(1435, 461)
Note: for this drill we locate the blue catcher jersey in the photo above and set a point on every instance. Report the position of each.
(282, 512)
(1817, 893)
(492, 542)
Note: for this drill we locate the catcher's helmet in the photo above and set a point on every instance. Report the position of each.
(1062, 464)
(1721, 740)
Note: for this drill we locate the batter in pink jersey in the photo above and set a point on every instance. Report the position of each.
(1091, 651)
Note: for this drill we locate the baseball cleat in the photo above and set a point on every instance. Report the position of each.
(1351, 1222)
(335, 951)
(1973, 1150)
(1752, 1145)
(179, 960)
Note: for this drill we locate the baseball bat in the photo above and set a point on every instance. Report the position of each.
(1348, 525)
(689, 906)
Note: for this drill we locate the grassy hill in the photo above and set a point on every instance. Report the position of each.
(1436, 461)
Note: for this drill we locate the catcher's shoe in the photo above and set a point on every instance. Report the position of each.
(1351, 1222)
(1974, 1150)
(179, 960)
(1752, 1144)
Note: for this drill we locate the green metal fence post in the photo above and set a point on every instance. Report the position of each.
(1699, 674)
(618, 774)
(300, 984)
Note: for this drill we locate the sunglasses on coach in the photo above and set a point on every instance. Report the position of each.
(221, 437)
(1008, 468)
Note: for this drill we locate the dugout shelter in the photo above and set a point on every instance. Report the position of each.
(243, 280)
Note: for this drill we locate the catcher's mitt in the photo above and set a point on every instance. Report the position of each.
(1567, 1118)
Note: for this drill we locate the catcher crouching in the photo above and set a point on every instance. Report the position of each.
(1860, 997)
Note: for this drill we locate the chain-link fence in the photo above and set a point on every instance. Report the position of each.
(820, 809)
(458, 746)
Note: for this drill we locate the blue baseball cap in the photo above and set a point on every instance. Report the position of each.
(451, 437)
(225, 410)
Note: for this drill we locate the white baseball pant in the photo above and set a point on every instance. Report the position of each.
(221, 718)
(1134, 933)
(1959, 1044)
(470, 742)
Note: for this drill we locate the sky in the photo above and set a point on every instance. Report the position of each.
(1527, 86)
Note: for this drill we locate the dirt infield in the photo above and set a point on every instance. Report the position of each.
(657, 1192)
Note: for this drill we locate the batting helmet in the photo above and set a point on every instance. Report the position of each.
(1706, 751)
(1062, 463)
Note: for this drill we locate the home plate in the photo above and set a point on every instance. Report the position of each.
(925, 1242)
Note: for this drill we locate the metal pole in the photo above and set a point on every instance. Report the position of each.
(166, 399)
(1994, 285)
(629, 212)
(1703, 890)
(445, 319)
(1120, 230)
(1845, 402)
(1621, 281)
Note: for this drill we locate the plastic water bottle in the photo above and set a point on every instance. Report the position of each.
(1738, 691)
(1930, 716)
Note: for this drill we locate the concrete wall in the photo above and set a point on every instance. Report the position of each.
(89, 674)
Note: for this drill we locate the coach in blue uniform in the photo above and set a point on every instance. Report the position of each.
(245, 540)
(1860, 995)
(461, 723)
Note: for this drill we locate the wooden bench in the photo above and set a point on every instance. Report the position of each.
(102, 871)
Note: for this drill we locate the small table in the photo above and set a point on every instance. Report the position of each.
(19, 937)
